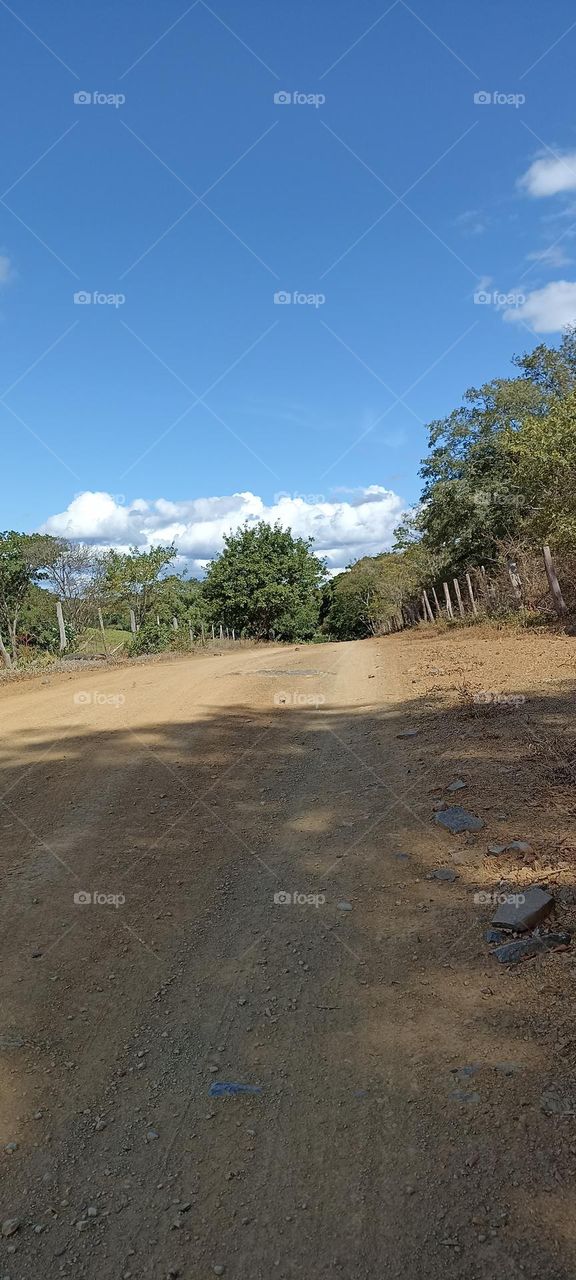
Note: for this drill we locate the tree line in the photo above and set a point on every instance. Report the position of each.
(499, 483)
(266, 584)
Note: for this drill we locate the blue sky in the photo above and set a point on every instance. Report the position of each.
(193, 201)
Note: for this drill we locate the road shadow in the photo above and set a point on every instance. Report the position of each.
(402, 1070)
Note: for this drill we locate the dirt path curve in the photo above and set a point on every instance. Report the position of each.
(190, 798)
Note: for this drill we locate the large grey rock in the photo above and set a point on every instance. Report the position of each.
(458, 819)
(523, 910)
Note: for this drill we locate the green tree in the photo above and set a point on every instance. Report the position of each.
(23, 560)
(133, 578)
(474, 498)
(373, 591)
(266, 582)
(543, 457)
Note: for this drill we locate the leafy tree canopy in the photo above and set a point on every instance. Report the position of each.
(266, 582)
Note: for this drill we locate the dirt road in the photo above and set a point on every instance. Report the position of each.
(254, 838)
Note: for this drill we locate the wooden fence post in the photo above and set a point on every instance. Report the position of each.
(101, 625)
(191, 634)
(202, 631)
(213, 637)
(175, 623)
(61, 626)
(471, 594)
(458, 596)
(427, 606)
(221, 632)
(5, 655)
(449, 609)
(515, 579)
(133, 626)
(554, 584)
(436, 602)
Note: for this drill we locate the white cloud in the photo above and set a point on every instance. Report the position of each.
(554, 255)
(342, 530)
(550, 175)
(471, 223)
(547, 310)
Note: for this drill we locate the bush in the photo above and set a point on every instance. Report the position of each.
(151, 638)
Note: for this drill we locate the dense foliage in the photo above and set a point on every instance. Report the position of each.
(500, 472)
(266, 583)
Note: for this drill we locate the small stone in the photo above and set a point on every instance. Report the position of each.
(408, 733)
(520, 846)
(443, 873)
(464, 1073)
(496, 935)
(497, 848)
(11, 1146)
(151, 1135)
(218, 1269)
(525, 948)
(458, 819)
(92, 1211)
(456, 785)
(10, 1226)
(553, 1103)
(344, 906)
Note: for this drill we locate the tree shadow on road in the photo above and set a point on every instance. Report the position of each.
(401, 1068)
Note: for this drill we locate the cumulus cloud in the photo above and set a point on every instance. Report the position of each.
(342, 530)
(550, 175)
(547, 310)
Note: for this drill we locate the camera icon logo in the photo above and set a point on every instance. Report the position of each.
(82, 697)
(282, 98)
(82, 97)
(82, 297)
(82, 898)
(282, 898)
(281, 298)
(482, 98)
(482, 297)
